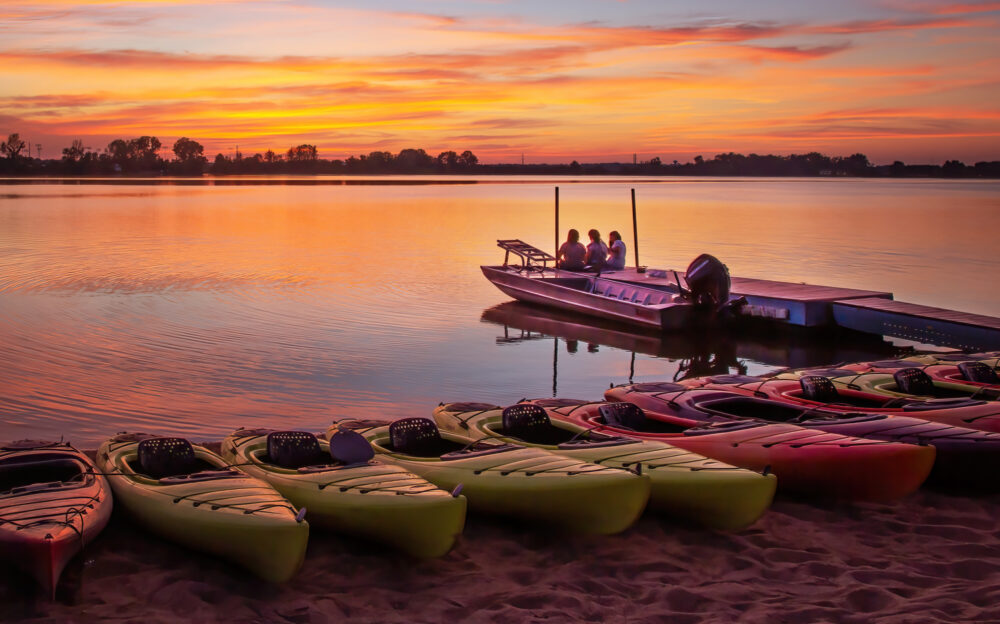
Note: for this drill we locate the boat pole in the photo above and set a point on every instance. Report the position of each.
(635, 231)
(556, 254)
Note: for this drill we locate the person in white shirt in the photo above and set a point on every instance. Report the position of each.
(617, 258)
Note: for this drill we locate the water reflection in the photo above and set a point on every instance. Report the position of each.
(695, 354)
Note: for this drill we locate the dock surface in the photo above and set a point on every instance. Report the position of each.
(868, 311)
(948, 328)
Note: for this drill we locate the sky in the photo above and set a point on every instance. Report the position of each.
(592, 80)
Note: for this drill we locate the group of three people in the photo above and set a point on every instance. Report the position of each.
(596, 256)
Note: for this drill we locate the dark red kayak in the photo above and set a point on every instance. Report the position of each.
(967, 459)
(51, 504)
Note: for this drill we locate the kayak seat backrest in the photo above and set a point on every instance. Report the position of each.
(623, 415)
(166, 457)
(531, 423)
(819, 389)
(418, 437)
(350, 447)
(294, 449)
(914, 381)
(979, 372)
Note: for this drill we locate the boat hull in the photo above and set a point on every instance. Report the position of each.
(569, 291)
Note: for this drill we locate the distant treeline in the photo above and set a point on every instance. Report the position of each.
(141, 157)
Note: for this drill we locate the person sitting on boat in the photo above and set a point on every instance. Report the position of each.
(597, 252)
(616, 259)
(572, 253)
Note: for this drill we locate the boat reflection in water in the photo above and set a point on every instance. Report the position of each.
(700, 353)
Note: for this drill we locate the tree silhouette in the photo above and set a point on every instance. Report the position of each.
(302, 153)
(12, 146)
(75, 152)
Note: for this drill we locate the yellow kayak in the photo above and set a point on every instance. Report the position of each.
(190, 495)
(685, 485)
(525, 483)
(348, 492)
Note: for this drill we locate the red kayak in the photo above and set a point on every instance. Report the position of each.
(51, 504)
(958, 412)
(967, 373)
(811, 463)
(967, 459)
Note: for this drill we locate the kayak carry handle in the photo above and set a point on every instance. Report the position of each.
(457, 491)
(299, 517)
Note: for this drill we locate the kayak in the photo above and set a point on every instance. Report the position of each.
(809, 463)
(911, 379)
(845, 394)
(683, 484)
(344, 490)
(504, 479)
(966, 459)
(191, 496)
(965, 378)
(990, 358)
(52, 503)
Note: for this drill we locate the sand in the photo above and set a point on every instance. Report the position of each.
(930, 558)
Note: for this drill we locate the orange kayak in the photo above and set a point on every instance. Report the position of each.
(806, 462)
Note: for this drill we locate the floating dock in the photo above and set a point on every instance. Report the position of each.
(874, 312)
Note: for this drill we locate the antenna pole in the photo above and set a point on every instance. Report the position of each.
(635, 231)
(557, 225)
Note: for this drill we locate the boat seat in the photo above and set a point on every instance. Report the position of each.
(524, 420)
(294, 449)
(623, 415)
(417, 436)
(166, 457)
(350, 447)
(978, 372)
(914, 381)
(819, 389)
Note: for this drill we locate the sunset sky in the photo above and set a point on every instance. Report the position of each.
(591, 80)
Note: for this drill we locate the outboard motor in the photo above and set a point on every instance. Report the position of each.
(708, 281)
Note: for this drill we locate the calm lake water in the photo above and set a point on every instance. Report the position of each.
(192, 309)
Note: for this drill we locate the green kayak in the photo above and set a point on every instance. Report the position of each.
(504, 479)
(685, 485)
(344, 490)
(190, 495)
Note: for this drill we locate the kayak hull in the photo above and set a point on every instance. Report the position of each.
(528, 484)
(238, 518)
(43, 525)
(807, 463)
(376, 501)
(684, 485)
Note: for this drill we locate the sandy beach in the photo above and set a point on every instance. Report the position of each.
(929, 558)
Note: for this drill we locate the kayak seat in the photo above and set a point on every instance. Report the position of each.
(530, 423)
(419, 437)
(831, 373)
(294, 449)
(914, 381)
(166, 457)
(979, 372)
(623, 415)
(350, 448)
(819, 389)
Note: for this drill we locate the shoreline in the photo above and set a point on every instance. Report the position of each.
(929, 558)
